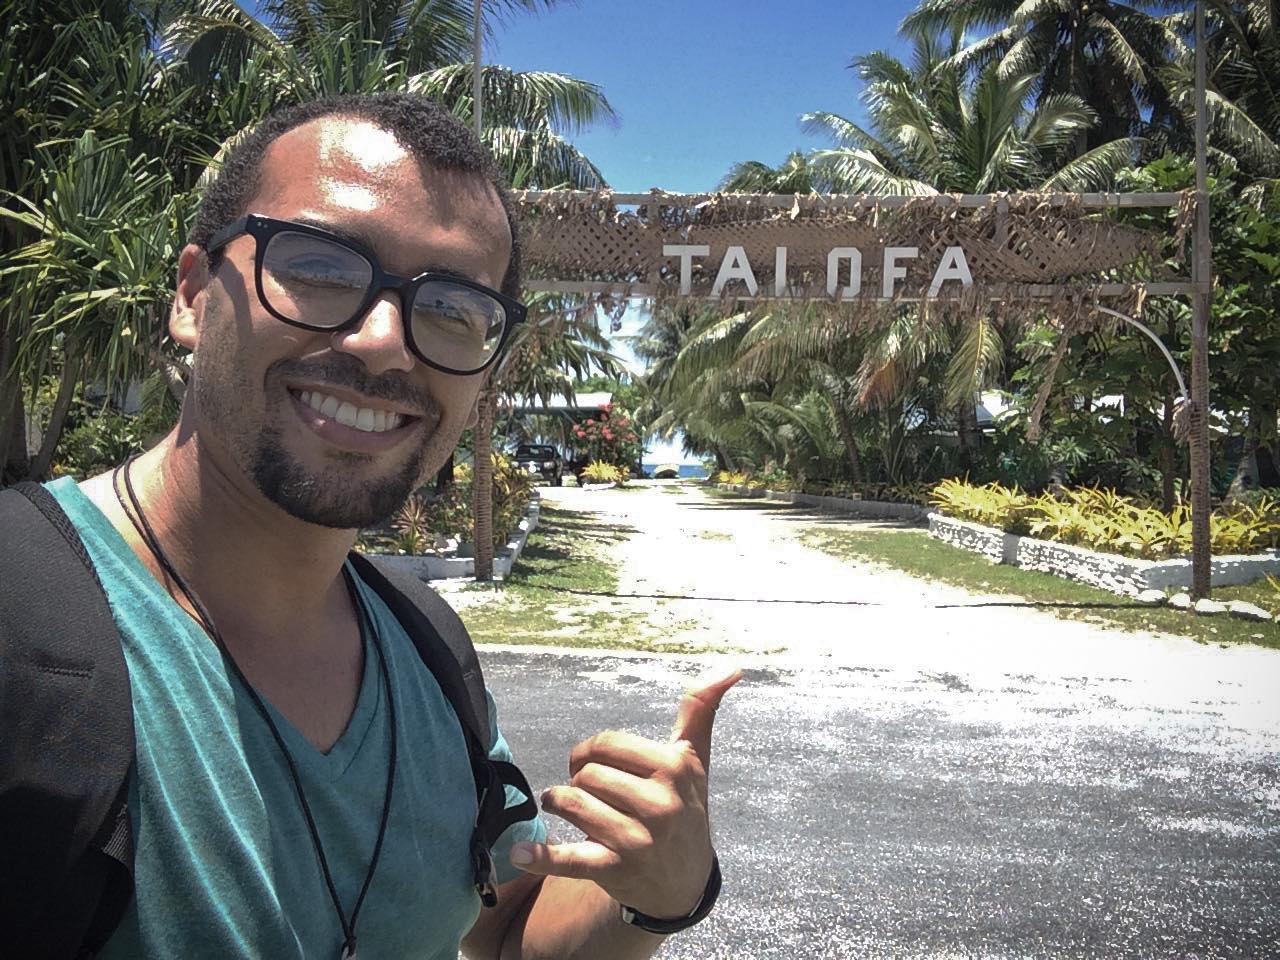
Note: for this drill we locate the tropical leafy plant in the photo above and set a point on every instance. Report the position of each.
(601, 471)
(1103, 520)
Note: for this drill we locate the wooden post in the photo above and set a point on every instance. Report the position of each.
(1202, 276)
(482, 485)
(476, 86)
(482, 447)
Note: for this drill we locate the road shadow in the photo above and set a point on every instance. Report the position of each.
(787, 511)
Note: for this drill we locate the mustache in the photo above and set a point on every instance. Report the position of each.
(394, 386)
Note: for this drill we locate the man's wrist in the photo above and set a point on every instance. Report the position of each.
(664, 926)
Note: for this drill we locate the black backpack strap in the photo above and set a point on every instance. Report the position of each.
(441, 639)
(66, 867)
(446, 648)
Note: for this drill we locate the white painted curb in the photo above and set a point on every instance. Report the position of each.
(1110, 571)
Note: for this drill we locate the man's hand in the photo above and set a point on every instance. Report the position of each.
(643, 806)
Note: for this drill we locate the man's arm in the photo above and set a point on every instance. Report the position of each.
(556, 917)
(643, 807)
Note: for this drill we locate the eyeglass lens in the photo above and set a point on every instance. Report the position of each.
(322, 284)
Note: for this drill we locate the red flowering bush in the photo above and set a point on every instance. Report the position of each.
(612, 438)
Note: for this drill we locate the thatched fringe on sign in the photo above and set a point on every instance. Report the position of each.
(728, 247)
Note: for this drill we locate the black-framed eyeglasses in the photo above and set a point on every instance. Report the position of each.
(310, 278)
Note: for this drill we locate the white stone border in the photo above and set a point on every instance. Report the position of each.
(1124, 575)
(428, 567)
(873, 509)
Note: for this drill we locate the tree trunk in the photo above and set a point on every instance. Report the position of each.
(1076, 81)
(967, 429)
(14, 465)
(482, 486)
(39, 468)
(725, 461)
(845, 429)
(10, 393)
(1264, 415)
(1168, 459)
(444, 478)
(1246, 477)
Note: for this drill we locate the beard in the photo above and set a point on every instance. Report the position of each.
(329, 498)
(343, 492)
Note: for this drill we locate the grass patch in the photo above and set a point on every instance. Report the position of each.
(916, 553)
(559, 592)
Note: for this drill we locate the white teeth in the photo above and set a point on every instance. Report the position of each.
(346, 414)
(361, 418)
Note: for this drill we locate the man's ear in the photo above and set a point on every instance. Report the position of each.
(474, 416)
(193, 278)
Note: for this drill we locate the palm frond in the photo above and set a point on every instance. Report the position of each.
(1094, 170)
(979, 358)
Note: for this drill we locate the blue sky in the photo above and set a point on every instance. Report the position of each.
(701, 84)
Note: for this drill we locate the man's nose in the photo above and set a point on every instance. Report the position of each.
(378, 338)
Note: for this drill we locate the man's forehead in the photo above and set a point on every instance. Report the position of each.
(338, 147)
(357, 159)
(344, 168)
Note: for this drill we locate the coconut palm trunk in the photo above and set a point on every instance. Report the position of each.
(67, 383)
(12, 419)
(844, 427)
(482, 485)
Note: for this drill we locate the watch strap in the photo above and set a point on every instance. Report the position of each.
(658, 925)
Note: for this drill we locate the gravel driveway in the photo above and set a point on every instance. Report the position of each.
(910, 771)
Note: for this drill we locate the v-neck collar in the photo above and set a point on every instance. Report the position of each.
(330, 765)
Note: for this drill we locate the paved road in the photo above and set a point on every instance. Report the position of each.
(866, 810)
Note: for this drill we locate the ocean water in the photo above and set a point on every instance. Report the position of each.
(694, 470)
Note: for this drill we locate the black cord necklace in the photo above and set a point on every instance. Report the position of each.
(133, 510)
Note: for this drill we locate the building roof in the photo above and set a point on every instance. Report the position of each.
(581, 403)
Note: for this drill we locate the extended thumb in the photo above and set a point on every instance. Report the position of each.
(697, 714)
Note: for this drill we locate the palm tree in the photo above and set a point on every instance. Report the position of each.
(1105, 53)
(299, 51)
(793, 175)
(1243, 95)
(934, 130)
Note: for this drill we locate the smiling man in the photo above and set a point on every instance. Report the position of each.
(300, 785)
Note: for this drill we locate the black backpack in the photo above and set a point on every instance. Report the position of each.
(66, 732)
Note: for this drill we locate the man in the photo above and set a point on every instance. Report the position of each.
(284, 724)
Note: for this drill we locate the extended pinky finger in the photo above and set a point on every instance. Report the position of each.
(586, 860)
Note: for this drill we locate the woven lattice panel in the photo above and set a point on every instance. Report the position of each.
(1022, 239)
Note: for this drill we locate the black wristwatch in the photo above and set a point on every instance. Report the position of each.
(658, 925)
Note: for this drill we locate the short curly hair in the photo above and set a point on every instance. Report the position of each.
(434, 137)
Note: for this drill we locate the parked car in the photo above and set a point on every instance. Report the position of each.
(542, 460)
